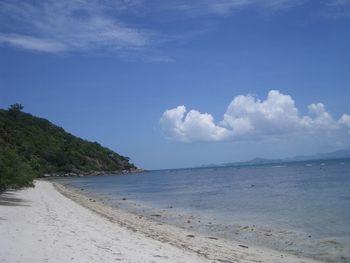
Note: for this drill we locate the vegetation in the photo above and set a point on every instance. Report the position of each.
(31, 147)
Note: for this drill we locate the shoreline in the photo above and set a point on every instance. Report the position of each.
(212, 248)
(55, 223)
(50, 176)
(41, 225)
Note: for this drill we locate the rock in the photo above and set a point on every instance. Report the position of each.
(243, 246)
(156, 215)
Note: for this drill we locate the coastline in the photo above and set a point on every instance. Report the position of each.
(49, 176)
(65, 225)
(212, 248)
(41, 225)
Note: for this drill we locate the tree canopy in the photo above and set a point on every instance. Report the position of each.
(31, 147)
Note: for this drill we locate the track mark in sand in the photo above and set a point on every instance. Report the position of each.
(159, 256)
(104, 248)
(224, 260)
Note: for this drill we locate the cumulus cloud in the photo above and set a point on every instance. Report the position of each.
(277, 114)
(249, 118)
(192, 127)
(345, 120)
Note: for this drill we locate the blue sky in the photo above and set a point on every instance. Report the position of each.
(183, 83)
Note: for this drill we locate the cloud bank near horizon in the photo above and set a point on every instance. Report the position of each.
(248, 118)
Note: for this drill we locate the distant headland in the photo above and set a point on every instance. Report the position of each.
(340, 154)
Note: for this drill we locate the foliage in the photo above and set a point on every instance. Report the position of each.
(15, 108)
(31, 147)
(15, 172)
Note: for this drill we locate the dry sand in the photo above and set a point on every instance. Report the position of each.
(42, 224)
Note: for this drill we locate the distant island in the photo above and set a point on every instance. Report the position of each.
(32, 147)
(341, 154)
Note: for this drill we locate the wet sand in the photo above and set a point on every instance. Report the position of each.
(53, 223)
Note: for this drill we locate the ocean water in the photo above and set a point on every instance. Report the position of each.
(303, 208)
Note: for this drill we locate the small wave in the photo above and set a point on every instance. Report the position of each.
(278, 166)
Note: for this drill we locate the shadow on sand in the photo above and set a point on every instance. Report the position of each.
(8, 199)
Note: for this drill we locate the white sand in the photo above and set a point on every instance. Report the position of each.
(42, 225)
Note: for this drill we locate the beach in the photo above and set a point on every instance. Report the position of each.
(44, 224)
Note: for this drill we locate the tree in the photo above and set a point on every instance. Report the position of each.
(16, 107)
(31, 147)
(14, 171)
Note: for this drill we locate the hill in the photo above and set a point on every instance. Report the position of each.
(322, 156)
(32, 147)
(341, 154)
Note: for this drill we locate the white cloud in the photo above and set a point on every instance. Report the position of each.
(32, 43)
(345, 120)
(225, 7)
(56, 26)
(248, 118)
(321, 119)
(195, 126)
(277, 114)
(337, 9)
(118, 25)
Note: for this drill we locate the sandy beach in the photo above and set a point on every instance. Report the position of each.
(52, 223)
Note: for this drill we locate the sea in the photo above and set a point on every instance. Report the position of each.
(301, 208)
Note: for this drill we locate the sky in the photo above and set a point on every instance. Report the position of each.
(180, 83)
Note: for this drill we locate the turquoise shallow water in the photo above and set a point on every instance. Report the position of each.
(301, 207)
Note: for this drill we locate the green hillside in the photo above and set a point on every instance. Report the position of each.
(32, 147)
